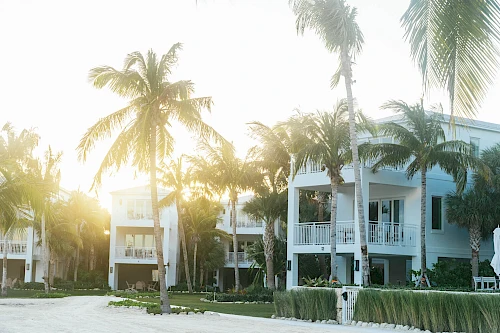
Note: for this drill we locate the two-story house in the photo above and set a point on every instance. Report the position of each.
(132, 255)
(392, 211)
(24, 260)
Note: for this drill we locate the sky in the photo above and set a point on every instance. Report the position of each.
(246, 54)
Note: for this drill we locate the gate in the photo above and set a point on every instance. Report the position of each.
(349, 296)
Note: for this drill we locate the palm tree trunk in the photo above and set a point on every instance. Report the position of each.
(321, 257)
(235, 246)
(184, 247)
(347, 71)
(164, 301)
(45, 256)
(52, 268)
(4, 268)
(92, 257)
(66, 269)
(194, 263)
(269, 254)
(77, 263)
(333, 229)
(475, 244)
(423, 213)
(202, 274)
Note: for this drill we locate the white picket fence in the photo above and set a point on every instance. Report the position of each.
(349, 296)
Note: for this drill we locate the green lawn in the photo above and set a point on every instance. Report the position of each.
(193, 301)
(16, 293)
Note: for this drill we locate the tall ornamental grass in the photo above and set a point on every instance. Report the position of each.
(314, 304)
(433, 311)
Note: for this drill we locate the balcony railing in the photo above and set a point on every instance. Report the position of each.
(127, 252)
(242, 258)
(14, 247)
(318, 233)
(313, 167)
(385, 233)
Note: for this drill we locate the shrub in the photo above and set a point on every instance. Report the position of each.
(32, 285)
(433, 311)
(50, 295)
(63, 285)
(126, 294)
(264, 296)
(314, 304)
(152, 307)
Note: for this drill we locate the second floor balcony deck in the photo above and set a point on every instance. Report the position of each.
(127, 252)
(14, 247)
(383, 234)
(243, 259)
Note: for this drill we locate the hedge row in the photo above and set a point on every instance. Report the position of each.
(257, 297)
(314, 304)
(433, 311)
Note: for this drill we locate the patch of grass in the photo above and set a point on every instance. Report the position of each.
(50, 295)
(314, 304)
(193, 301)
(126, 294)
(152, 307)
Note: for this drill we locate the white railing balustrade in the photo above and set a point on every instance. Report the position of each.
(128, 252)
(310, 167)
(392, 234)
(242, 258)
(245, 221)
(318, 233)
(14, 247)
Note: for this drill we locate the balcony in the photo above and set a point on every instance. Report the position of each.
(242, 258)
(127, 252)
(318, 233)
(313, 167)
(387, 234)
(14, 247)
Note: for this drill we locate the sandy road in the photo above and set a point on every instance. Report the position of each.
(91, 314)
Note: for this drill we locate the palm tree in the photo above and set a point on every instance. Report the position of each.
(221, 171)
(154, 104)
(421, 146)
(477, 211)
(454, 45)
(46, 176)
(201, 216)
(175, 177)
(335, 23)
(325, 140)
(268, 207)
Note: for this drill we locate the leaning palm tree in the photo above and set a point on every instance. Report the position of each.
(476, 210)
(175, 177)
(421, 146)
(222, 172)
(325, 140)
(335, 23)
(268, 207)
(155, 103)
(455, 45)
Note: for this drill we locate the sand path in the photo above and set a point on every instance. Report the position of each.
(91, 314)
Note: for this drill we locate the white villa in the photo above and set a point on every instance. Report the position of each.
(24, 255)
(392, 210)
(132, 255)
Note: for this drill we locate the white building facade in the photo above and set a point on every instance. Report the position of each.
(248, 231)
(392, 213)
(132, 255)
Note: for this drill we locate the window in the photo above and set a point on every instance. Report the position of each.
(391, 211)
(373, 211)
(139, 209)
(474, 142)
(139, 240)
(437, 213)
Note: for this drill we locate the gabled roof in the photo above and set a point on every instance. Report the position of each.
(145, 189)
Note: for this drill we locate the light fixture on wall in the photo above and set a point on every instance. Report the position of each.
(110, 270)
(27, 267)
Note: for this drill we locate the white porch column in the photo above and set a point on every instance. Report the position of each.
(28, 265)
(386, 271)
(112, 269)
(342, 268)
(292, 273)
